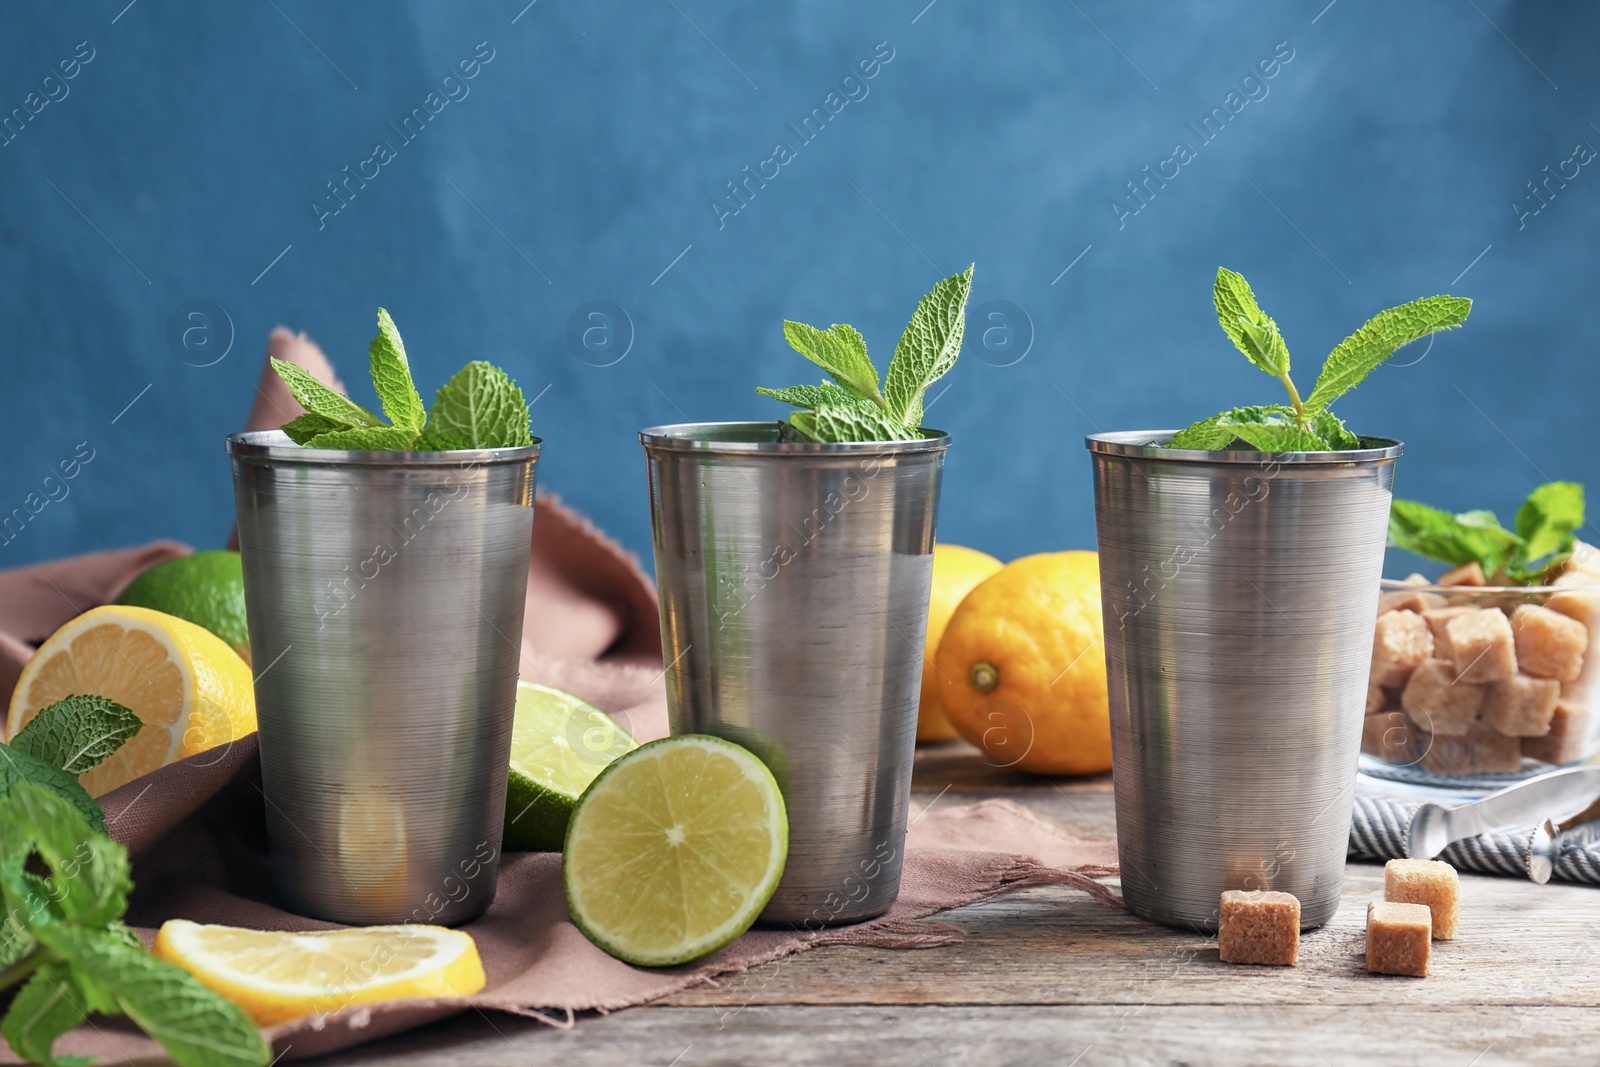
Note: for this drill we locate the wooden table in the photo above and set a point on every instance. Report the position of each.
(1050, 977)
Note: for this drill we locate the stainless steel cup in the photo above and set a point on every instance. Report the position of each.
(384, 592)
(794, 581)
(1239, 592)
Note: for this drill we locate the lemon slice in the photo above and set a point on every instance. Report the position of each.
(276, 976)
(674, 850)
(559, 744)
(191, 690)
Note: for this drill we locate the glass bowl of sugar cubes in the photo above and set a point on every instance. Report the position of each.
(1475, 685)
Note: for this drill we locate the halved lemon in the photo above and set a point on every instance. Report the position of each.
(279, 975)
(192, 691)
(674, 850)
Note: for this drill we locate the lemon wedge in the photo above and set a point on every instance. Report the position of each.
(278, 975)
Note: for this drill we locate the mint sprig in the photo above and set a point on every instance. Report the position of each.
(854, 407)
(1307, 425)
(77, 733)
(480, 407)
(1546, 529)
(64, 887)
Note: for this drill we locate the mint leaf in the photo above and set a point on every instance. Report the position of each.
(928, 348)
(834, 423)
(1453, 539)
(88, 880)
(839, 350)
(321, 400)
(44, 1009)
(197, 1027)
(1501, 546)
(1357, 355)
(1549, 519)
(77, 732)
(367, 439)
(1331, 429)
(1247, 326)
(1276, 436)
(307, 426)
(810, 396)
(1221, 429)
(480, 407)
(1207, 435)
(17, 766)
(391, 376)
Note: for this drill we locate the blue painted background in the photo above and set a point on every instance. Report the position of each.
(1388, 157)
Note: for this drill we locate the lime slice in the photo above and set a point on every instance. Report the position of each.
(558, 745)
(674, 850)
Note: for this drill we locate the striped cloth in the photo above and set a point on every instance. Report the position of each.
(1378, 833)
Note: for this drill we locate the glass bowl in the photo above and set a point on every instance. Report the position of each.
(1474, 687)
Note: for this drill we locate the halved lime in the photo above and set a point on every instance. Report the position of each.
(207, 588)
(559, 744)
(674, 850)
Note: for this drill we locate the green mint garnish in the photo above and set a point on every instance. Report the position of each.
(1307, 425)
(64, 887)
(481, 407)
(853, 407)
(1546, 527)
(19, 768)
(332, 408)
(391, 377)
(77, 732)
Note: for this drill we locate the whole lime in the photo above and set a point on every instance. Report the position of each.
(207, 588)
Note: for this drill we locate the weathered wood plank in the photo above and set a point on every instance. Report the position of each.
(1520, 944)
(1234, 1034)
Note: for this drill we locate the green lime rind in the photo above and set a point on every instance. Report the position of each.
(559, 744)
(725, 794)
(205, 588)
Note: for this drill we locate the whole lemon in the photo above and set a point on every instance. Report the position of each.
(1025, 653)
(956, 570)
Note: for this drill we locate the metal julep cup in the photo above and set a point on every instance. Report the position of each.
(1239, 591)
(384, 593)
(794, 582)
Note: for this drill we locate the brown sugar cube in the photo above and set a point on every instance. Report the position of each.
(1520, 706)
(1582, 604)
(1376, 699)
(1390, 736)
(1443, 754)
(1493, 752)
(1416, 600)
(1466, 574)
(1402, 641)
(1549, 644)
(1479, 751)
(1437, 702)
(1259, 927)
(1430, 882)
(1438, 621)
(1398, 939)
(1567, 739)
(1585, 558)
(1481, 646)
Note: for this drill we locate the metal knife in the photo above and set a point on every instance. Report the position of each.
(1546, 803)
